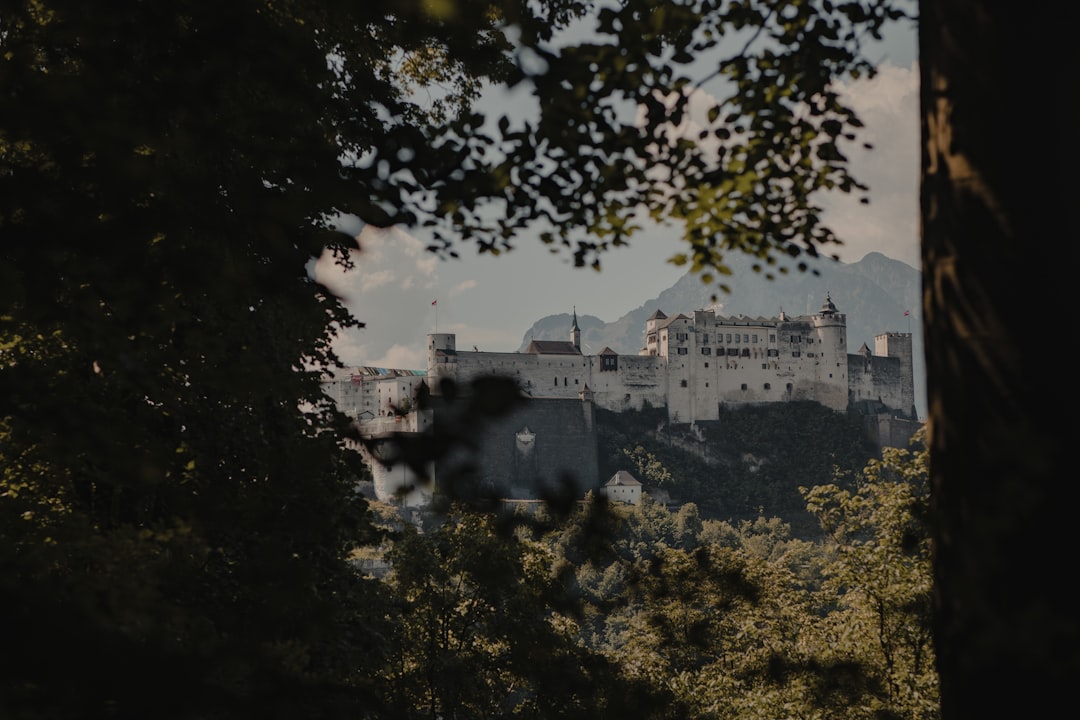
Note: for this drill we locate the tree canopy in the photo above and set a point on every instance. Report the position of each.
(175, 493)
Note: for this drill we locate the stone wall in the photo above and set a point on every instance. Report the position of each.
(877, 379)
(530, 451)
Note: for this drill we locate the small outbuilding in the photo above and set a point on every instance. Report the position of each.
(622, 487)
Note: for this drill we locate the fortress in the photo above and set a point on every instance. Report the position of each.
(692, 365)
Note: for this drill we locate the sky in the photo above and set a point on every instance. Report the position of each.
(402, 292)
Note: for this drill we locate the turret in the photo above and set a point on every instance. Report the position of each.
(575, 333)
(442, 360)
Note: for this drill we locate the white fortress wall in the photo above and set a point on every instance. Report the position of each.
(368, 392)
(559, 376)
(637, 381)
(693, 364)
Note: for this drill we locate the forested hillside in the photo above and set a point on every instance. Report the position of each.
(750, 462)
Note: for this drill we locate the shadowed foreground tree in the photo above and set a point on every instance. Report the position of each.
(1007, 629)
(479, 634)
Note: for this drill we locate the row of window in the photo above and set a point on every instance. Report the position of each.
(766, 386)
(744, 352)
(703, 338)
(734, 338)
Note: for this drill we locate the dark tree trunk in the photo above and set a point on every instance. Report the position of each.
(997, 235)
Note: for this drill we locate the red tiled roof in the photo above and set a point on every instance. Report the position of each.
(552, 347)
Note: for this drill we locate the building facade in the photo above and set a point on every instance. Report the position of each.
(695, 364)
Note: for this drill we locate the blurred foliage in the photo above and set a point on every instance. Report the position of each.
(177, 500)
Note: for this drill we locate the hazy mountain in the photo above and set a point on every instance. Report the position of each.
(874, 293)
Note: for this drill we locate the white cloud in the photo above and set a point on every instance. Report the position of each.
(393, 273)
(462, 287)
(372, 281)
(888, 105)
(402, 357)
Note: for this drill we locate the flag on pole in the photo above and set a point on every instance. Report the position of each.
(906, 312)
(435, 301)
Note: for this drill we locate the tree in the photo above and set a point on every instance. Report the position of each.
(877, 582)
(178, 505)
(998, 457)
(477, 633)
(648, 466)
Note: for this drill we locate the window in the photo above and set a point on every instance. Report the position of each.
(772, 338)
(773, 352)
(728, 337)
(681, 336)
(789, 386)
(706, 364)
(706, 351)
(796, 353)
(764, 366)
(737, 337)
(683, 351)
(682, 383)
(746, 338)
(564, 381)
(575, 381)
(754, 336)
(744, 386)
(768, 386)
(746, 352)
(704, 338)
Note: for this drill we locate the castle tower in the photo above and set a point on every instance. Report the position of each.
(442, 360)
(651, 346)
(575, 332)
(831, 367)
(898, 345)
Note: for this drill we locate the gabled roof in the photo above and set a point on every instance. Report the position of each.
(608, 351)
(552, 347)
(658, 315)
(669, 320)
(622, 478)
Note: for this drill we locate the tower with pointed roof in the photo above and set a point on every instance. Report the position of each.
(575, 332)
